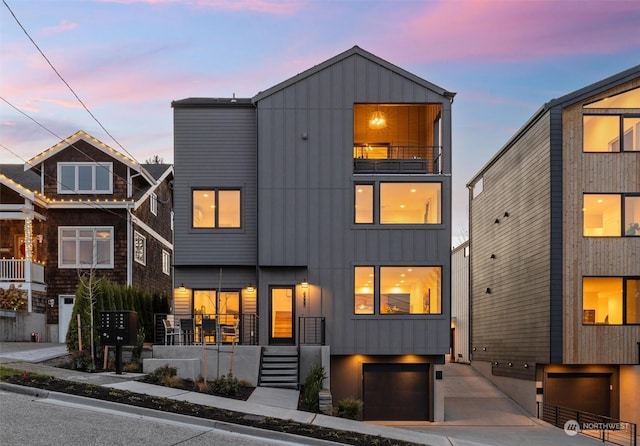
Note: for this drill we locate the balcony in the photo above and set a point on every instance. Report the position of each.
(21, 271)
(388, 159)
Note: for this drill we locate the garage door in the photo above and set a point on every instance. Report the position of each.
(588, 392)
(396, 391)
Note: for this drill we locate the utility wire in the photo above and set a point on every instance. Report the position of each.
(65, 82)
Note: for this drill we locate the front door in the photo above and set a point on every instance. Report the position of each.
(65, 305)
(282, 304)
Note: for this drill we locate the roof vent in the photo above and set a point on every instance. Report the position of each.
(233, 99)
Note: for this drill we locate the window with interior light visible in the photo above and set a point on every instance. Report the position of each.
(410, 203)
(610, 300)
(612, 131)
(166, 262)
(410, 290)
(85, 247)
(94, 178)
(611, 215)
(139, 248)
(364, 203)
(364, 286)
(216, 208)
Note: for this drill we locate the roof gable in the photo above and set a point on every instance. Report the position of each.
(70, 141)
(356, 50)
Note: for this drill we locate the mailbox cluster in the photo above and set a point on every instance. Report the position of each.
(119, 327)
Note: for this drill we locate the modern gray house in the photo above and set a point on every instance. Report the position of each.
(318, 213)
(555, 255)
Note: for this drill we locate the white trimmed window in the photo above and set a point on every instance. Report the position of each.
(85, 247)
(140, 248)
(153, 203)
(94, 178)
(166, 262)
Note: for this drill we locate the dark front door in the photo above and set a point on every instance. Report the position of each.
(397, 392)
(282, 305)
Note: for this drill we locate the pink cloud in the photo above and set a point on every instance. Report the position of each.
(491, 30)
(63, 26)
(260, 6)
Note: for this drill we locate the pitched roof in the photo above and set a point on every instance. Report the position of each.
(356, 50)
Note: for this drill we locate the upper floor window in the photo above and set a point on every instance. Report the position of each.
(166, 262)
(85, 247)
(140, 248)
(399, 203)
(216, 208)
(400, 289)
(610, 128)
(397, 138)
(83, 178)
(611, 215)
(153, 203)
(611, 300)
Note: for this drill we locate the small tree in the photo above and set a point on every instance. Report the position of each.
(13, 298)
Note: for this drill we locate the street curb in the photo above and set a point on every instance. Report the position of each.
(163, 416)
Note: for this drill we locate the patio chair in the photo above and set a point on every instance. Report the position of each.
(170, 332)
(188, 327)
(230, 331)
(208, 329)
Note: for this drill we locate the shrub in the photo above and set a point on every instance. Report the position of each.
(349, 408)
(132, 367)
(13, 298)
(160, 373)
(225, 385)
(82, 360)
(311, 388)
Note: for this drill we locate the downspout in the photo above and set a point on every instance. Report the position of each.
(129, 246)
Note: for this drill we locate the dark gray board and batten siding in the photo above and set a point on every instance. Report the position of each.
(305, 157)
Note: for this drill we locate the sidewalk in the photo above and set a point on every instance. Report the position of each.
(476, 413)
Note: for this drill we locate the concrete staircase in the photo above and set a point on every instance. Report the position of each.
(279, 367)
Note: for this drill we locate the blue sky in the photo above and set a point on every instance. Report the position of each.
(128, 59)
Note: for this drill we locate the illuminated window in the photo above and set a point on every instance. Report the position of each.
(140, 248)
(610, 300)
(85, 247)
(410, 203)
(364, 285)
(85, 178)
(410, 290)
(603, 215)
(216, 208)
(364, 203)
(613, 132)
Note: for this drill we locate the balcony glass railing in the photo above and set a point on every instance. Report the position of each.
(388, 159)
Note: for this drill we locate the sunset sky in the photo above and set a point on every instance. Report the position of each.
(128, 59)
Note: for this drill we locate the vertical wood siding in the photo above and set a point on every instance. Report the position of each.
(596, 256)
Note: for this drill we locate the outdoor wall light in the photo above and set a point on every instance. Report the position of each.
(526, 366)
(182, 288)
(506, 214)
(493, 256)
(488, 291)
(511, 364)
(474, 349)
(495, 362)
(304, 284)
(250, 288)
(484, 349)
(497, 221)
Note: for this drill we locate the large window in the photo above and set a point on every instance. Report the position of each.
(85, 247)
(611, 215)
(610, 300)
(85, 178)
(399, 203)
(205, 303)
(166, 262)
(612, 132)
(216, 208)
(402, 290)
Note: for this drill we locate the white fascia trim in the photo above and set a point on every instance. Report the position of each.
(153, 188)
(90, 204)
(135, 220)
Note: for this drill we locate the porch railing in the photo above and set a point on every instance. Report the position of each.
(603, 428)
(21, 270)
(248, 329)
(398, 159)
(311, 330)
